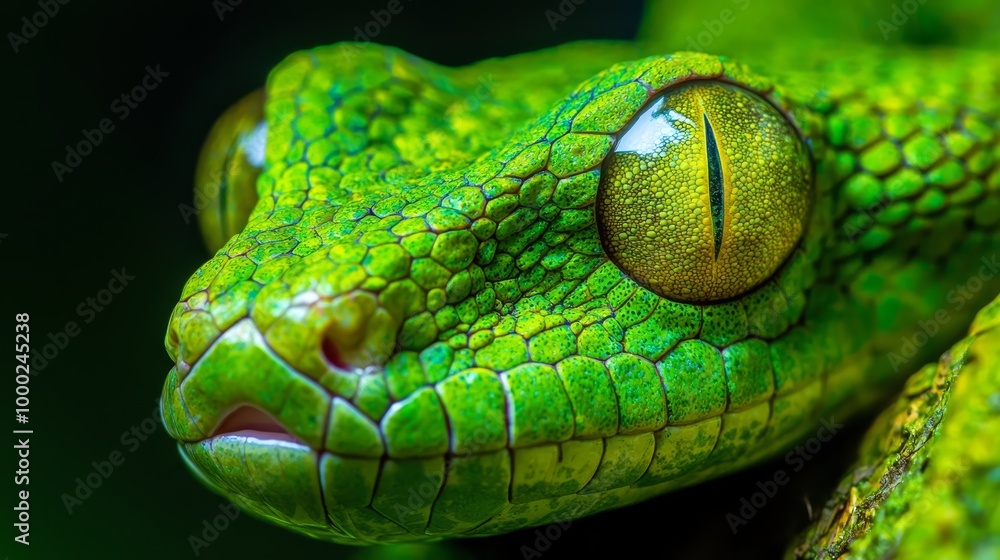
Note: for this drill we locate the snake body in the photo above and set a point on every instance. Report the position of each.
(423, 299)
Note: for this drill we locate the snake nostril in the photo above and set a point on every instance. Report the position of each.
(332, 354)
(358, 334)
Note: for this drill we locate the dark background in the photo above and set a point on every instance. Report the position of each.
(119, 208)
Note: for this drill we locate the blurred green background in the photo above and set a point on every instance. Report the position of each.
(120, 208)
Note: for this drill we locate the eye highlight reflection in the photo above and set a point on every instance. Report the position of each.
(706, 193)
(654, 127)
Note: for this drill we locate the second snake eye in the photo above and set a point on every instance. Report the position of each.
(705, 194)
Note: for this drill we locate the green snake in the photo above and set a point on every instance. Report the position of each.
(455, 302)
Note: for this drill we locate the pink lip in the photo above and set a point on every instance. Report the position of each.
(249, 421)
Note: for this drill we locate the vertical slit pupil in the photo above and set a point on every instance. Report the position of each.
(716, 189)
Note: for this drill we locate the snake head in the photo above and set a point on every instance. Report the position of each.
(473, 300)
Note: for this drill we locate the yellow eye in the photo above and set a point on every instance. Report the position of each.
(706, 193)
(231, 159)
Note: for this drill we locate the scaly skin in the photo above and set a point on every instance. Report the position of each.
(899, 502)
(440, 236)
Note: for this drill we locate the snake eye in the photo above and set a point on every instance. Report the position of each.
(705, 193)
(231, 158)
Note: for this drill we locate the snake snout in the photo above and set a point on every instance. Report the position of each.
(239, 371)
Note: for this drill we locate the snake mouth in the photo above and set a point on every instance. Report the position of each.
(252, 422)
(252, 428)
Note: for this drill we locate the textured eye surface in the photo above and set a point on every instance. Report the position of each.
(705, 194)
